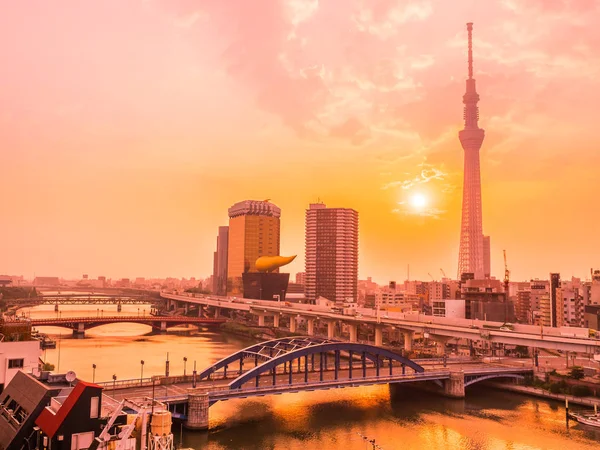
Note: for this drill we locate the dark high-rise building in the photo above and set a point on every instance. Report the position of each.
(220, 263)
(331, 253)
(555, 302)
(487, 263)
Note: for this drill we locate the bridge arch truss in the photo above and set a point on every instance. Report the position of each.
(261, 352)
(472, 379)
(325, 357)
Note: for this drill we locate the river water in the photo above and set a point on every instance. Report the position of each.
(323, 420)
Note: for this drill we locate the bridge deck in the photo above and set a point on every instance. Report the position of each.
(218, 389)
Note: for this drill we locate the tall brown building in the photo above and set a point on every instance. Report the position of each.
(253, 232)
(331, 253)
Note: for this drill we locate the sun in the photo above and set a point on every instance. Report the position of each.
(418, 201)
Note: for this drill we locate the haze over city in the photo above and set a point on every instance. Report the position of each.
(129, 128)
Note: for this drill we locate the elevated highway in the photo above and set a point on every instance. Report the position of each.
(435, 327)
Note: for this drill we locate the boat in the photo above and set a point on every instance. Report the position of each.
(591, 419)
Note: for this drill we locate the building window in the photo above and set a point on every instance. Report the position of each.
(16, 363)
(94, 407)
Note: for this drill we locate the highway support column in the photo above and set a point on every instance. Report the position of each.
(353, 330)
(378, 335)
(261, 320)
(408, 340)
(330, 329)
(310, 327)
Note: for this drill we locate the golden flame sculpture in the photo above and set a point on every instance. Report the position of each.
(270, 263)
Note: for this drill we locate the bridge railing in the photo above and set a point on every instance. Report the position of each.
(122, 384)
(382, 379)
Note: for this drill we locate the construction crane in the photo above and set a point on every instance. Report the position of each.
(443, 273)
(506, 282)
(432, 279)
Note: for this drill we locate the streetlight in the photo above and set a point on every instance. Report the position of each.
(142, 372)
(93, 373)
(184, 364)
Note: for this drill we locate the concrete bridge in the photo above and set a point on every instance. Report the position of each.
(440, 330)
(160, 323)
(296, 364)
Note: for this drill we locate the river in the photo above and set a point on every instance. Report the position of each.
(323, 420)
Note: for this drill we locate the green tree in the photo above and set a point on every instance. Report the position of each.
(576, 373)
(48, 367)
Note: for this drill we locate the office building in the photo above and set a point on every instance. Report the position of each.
(253, 232)
(219, 278)
(331, 253)
(555, 303)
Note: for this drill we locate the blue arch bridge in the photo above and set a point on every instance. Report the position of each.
(295, 364)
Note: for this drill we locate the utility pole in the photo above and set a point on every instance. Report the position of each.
(506, 283)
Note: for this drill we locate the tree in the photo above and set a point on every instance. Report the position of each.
(577, 373)
(522, 351)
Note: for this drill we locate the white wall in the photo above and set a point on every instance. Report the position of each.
(28, 350)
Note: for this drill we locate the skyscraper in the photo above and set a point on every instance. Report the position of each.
(555, 301)
(331, 253)
(486, 257)
(220, 262)
(253, 232)
(470, 256)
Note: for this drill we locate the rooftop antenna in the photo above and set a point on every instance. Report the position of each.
(470, 32)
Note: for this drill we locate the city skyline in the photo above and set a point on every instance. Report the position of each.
(124, 165)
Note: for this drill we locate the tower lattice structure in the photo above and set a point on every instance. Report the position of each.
(470, 257)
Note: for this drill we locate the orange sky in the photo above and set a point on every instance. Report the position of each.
(128, 129)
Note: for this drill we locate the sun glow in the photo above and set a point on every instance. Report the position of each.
(418, 201)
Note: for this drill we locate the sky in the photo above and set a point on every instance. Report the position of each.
(129, 128)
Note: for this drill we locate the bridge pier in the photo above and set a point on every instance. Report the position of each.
(56, 307)
(119, 307)
(378, 335)
(455, 386)
(197, 412)
(217, 312)
(310, 327)
(353, 330)
(163, 326)
(261, 320)
(276, 320)
(292, 324)
(79, 331)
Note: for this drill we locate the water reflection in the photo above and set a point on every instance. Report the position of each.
(398, 418)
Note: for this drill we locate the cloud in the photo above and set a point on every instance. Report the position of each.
(383, 21)
(189, 20)
(406, 210)
(426, 175)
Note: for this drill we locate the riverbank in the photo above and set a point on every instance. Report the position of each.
(537, 392)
